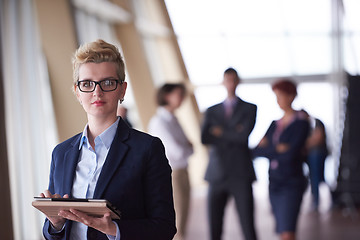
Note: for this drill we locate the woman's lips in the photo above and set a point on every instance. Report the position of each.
(98, 103)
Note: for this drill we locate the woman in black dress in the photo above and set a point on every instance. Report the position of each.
(283, 144)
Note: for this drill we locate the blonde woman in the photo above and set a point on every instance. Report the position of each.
(109, 160)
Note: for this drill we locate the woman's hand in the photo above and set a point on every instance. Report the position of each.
(263, 142)
(57, 222)
(103, 224)
(282, 147)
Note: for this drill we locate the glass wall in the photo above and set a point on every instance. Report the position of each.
(264, 40)
(351, 42)
(278, 38)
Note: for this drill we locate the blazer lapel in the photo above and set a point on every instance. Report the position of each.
(235, 111)
(220, 113)
(71, 158)
(114, 158)
(237, 108)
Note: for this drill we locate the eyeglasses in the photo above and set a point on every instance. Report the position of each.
(106, 85)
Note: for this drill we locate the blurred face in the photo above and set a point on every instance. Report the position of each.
(99, 103)
(231, 82)
(284, 100)
(175, 98)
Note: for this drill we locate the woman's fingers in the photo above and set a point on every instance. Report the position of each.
(103, 224)
(47, 194)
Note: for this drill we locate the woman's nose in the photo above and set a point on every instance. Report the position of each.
(98, 90)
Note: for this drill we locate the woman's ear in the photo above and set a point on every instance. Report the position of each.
(77, 94)
(123, 90)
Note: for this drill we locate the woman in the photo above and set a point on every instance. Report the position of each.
(283, 144)
(109, 160)
(178, 148)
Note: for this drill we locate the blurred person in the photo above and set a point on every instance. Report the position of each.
(284, 145)
(123, 113)
(317, 152)
(230, 173)
(109, 160)
(178, 149)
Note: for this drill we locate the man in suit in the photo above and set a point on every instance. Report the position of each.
(230, 171)
(109, 160)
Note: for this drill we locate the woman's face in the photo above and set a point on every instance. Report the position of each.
(175, 98)
(284, 100)
(98, 103)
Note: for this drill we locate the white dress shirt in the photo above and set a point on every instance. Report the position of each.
(88, 171)
(177, 147)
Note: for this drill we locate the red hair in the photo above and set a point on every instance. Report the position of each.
(285, 85)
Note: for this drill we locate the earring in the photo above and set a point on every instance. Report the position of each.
(121, 100)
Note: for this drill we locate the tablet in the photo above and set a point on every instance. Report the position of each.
(92, 207)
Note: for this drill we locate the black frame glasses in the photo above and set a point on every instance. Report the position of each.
(106, 85)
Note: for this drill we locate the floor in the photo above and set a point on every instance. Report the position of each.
(326, 224)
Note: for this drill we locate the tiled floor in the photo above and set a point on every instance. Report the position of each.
(326, 224)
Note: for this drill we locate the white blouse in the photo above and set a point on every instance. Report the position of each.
(178, 149)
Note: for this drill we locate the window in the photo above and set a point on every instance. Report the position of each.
(279, 38)
(262, 39)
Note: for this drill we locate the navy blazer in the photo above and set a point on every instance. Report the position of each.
(135, 178)
(289, 167)
(230, 158)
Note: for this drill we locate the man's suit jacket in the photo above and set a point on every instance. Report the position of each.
(230, 158)
(135, 178)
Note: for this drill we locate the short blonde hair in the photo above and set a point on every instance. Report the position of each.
(97, 52)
